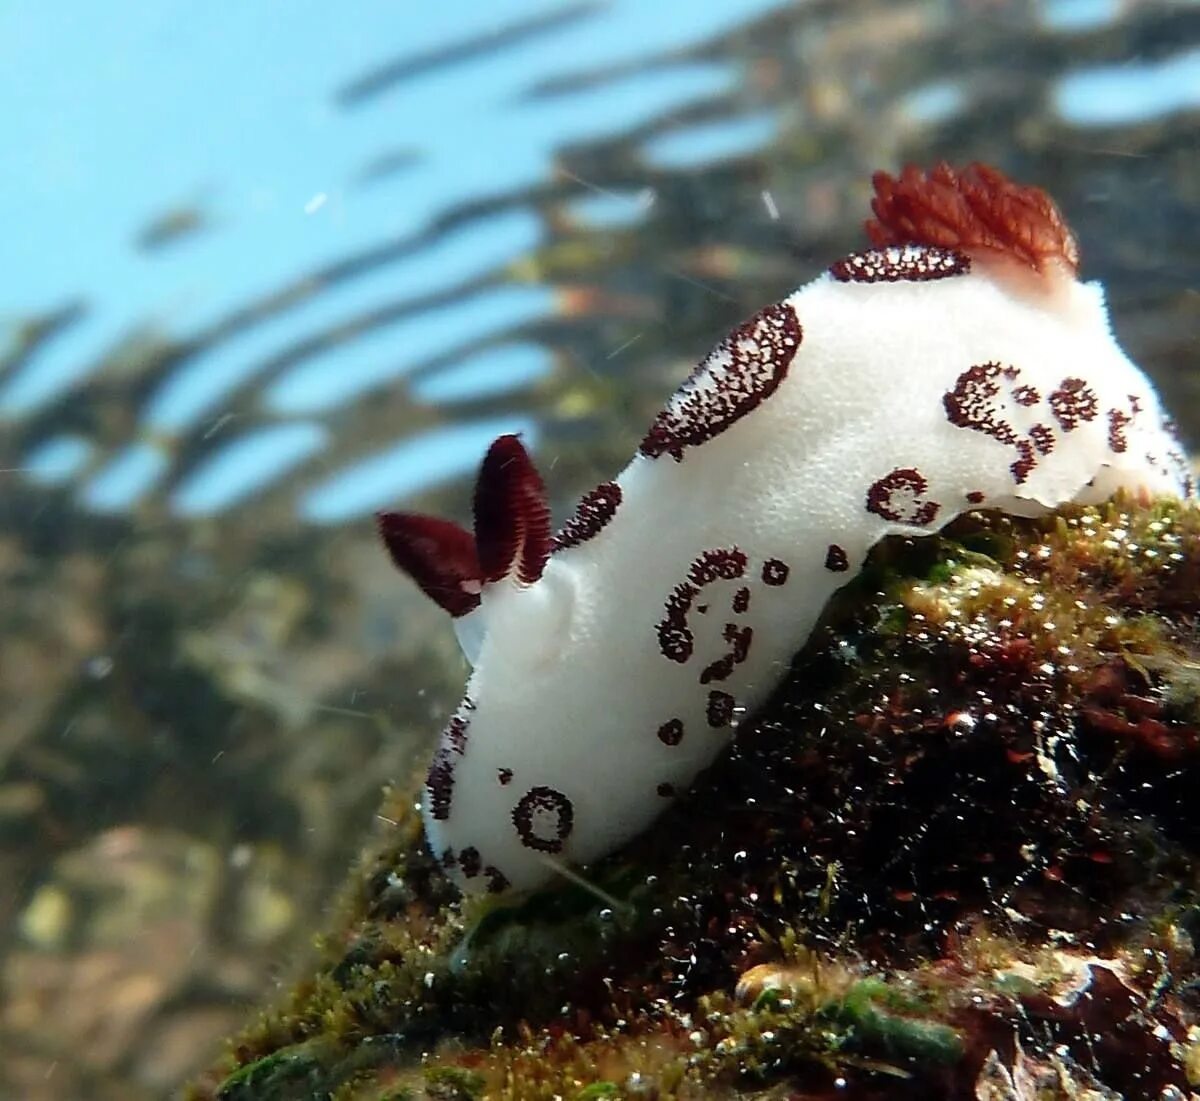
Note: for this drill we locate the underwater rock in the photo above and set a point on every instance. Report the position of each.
(955, 856)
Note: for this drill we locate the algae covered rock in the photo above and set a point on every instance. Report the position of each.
(954, 857)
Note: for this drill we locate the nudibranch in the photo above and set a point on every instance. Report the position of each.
(955, 364)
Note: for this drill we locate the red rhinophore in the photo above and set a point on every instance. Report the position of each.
(512, 518)
(438, 555)
(977, 210)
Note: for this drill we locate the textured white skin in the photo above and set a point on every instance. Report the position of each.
(571, 686)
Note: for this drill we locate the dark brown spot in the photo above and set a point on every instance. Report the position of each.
(978, 402)
(719, 564)
(1023, 466)
(470, 862)
(836, 559)
(544, 819)
(497, 880)
(667, 791)
(1042, 437)
(907, 263)
(741, 638)
(439, 782)
(1073, 402)
(737, 376)
(504, 775)
(1118, 421)
(975, 402)
(976, 497)
(741, 601)
(458, 728)
(775, 572)
(675, 639)
(719, 670)
(448, 859)
(722, 668)
(595, 509)
(671, 732)
(898, 497)
(720, 709)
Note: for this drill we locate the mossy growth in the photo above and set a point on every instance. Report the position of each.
(955, 853)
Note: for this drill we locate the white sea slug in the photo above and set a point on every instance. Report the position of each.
(958, 364)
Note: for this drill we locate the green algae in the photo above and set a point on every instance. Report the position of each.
(868, 1024)
(299, 1067)
(974, 789)
(453, 1084)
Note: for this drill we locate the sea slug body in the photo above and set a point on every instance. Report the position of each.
(956, 364)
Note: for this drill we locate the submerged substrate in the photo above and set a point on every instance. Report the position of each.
(954, 857)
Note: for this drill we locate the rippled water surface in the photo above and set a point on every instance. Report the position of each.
(270, 267)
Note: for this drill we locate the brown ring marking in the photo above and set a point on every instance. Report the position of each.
(538, 801)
